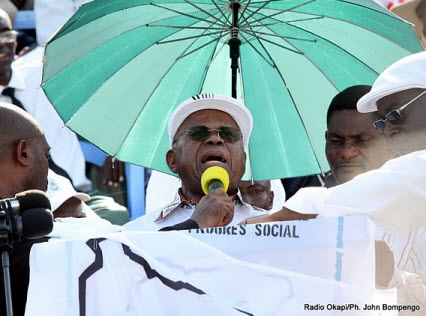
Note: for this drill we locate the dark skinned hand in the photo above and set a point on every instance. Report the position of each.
(214, 209)
(113, 173)
(384, 263)
(282, 215)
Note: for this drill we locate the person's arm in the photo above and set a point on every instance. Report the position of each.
(393, 196)
(214, 209)
(188, 224)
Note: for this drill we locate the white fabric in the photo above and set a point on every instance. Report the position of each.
(210, 101)
(393, 196)
(122, 286)
(147, 222)
(51, 15)
(60, 189)
(332, 243)
(162, 188)
(407, 73)
(409, 278)
(160, 191)
(65, 148)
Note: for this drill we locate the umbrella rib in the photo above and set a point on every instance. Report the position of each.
(326, 40)
(296, 108)
(257, 51)
(357, 25)
(215, 55)
(254, 12)
(311, 61)
(204, 28)
(281, 36)
(198, 48)
(280, 12)
(186, 27)
(212, 57)
(244, 10)
(220, 10)
(279, 45)
(287, 22)
(189, 37)
(151, 94)
(371, 9)
(197, 7)
(186, 14)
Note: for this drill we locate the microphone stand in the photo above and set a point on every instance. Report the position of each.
(4, 248)
(6, 278)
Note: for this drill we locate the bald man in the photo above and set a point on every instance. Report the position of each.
(24, 152)
(24, 155)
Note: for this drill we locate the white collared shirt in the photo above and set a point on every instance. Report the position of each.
(393, 196)
(180, 210)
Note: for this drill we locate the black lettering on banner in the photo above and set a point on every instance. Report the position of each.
(234, 230)
(97, 265)
(287, 231)
(294, 232)
(242, 230)
(266, 230)
(275, 233)
(258, 229)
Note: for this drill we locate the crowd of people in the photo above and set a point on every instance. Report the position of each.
(375, 146)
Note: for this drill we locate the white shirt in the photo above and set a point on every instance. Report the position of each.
(65, 148)
(393, 196)
(162, 189)
(181, 210)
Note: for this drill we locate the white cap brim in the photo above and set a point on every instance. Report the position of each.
(407, 73)
(210, 101)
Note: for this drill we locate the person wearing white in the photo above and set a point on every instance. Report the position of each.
(24, 78)
(162, 188)
(205, 130)
(393, 196)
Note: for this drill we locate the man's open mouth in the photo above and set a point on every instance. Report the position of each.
(213, 159)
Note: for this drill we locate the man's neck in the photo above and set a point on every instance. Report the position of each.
(197, 196)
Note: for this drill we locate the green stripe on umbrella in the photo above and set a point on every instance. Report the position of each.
(117, 69)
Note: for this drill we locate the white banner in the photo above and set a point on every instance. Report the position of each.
(340, 249)
(173, 273)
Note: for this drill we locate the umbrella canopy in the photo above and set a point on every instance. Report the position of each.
(118, 68)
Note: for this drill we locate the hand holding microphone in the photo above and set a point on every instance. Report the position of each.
(216, 208)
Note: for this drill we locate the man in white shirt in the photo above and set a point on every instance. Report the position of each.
(393, 196)
(20, 85)
(206, 130)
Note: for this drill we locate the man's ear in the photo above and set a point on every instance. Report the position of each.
(171, 160)
(271, 199)
(23, 153)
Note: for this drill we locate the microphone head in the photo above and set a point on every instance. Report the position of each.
(214, 173)
(36, 223)
(32, 199)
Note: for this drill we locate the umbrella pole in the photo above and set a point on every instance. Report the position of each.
(234, 46)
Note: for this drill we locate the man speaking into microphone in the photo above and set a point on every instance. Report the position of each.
(207, 130)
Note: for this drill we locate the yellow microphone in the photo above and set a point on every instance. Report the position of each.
(213, 178)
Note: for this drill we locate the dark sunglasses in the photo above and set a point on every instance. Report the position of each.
(201, 133)
(394, 116)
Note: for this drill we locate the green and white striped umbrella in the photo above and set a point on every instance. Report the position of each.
(118, 68)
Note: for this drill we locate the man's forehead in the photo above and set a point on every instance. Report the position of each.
(396, 100)
(351, 121)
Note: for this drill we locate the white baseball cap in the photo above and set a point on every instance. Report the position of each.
(60, 189)
(210, 101)
(407, 73)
